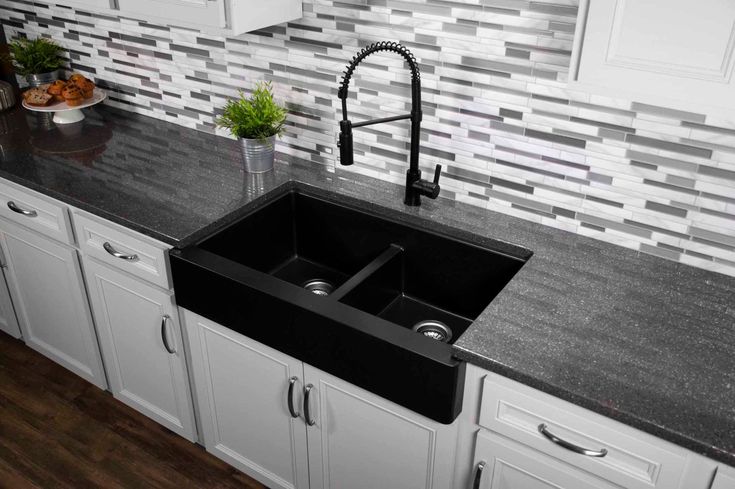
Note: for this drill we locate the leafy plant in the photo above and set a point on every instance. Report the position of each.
(35, 56)
(257, 117)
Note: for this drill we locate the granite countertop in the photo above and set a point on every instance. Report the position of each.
(637, 338)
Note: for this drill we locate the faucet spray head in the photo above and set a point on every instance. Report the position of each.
(345, 142)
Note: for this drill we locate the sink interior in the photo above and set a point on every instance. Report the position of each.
(292, 240)
(448, 282)
(390, 270)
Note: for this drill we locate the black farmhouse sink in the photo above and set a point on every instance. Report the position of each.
(371, 300)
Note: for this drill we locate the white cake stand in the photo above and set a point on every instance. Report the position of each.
(63, 114)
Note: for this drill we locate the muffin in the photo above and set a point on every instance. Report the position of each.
(73, 95)
(56, 89)
(86, 86)
(76, 77)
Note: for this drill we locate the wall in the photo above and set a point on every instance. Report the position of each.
(497, 114)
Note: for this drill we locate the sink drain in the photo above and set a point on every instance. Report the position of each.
(436, 330)
(319, 287)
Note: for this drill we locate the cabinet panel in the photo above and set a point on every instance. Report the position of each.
(100, 239)
(48, 293)
(724, 479)
(210, 13)
(509, 465)
(362, 441)
(669, 52)
(8, 320)
(134, 338)
(242, 394)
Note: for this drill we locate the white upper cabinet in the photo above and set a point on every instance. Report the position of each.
(229, 16)
(676, 53)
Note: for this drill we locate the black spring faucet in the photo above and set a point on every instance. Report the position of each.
(415, 186)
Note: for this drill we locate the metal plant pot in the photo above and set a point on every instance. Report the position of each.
(258, 155)
(39, 79)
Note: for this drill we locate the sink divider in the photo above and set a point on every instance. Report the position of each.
(372, 267)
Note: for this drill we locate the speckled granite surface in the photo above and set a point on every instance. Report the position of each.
(643, 340)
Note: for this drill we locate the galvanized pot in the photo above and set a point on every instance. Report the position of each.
(258, 155)
(38, 79)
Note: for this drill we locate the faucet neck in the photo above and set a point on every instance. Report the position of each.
(393, 47)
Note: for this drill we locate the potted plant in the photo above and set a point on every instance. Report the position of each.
(256, 121)
(38, 60)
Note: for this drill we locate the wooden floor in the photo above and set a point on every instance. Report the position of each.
(58, 431)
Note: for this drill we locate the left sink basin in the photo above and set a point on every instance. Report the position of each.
(261, 276)
(292, 240)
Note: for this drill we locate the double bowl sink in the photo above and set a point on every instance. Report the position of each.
(372, 300)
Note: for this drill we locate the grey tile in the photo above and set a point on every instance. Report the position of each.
(716, 172)
(666, 209)
(664, 112)
(577, 143)
(669, 146)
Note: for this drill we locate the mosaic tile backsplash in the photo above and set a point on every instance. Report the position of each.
(497, 113)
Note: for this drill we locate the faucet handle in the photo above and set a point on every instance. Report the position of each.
(437, 173)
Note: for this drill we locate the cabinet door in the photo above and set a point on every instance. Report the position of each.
(503, 464)
(142, 346)
(207, 13)
(8, 320)
(724, 479)
(362, 441)
(242, 392)
(48, 293)
(666, 52)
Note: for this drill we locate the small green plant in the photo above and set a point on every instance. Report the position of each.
(35, 56)
(257, 117)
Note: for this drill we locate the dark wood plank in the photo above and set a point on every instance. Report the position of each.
(57, 430)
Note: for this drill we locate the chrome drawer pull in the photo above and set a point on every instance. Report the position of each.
(542, 428)
(14, 207)
(307, 409)
(164, 334)
(108, 248)
(478, 475)
(291, 382)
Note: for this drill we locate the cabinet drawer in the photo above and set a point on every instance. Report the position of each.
(634, 460)
(136, 254)
(504, 464)
(35, 211)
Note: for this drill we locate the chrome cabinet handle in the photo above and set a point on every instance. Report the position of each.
(164, 336)
(542, 428)
(291, 382)
(108, 248)
(14, 207)
(478, 475)
(307, 409)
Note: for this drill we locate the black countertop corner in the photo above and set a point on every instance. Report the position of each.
(642, 340)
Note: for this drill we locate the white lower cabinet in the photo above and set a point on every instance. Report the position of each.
(503, 464)
(47, 290)
(334, 435)
(8, 319)
(241, 390)
(142, 345)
